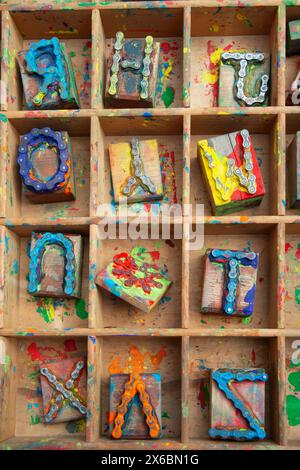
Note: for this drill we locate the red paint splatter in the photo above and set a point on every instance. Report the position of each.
(214, 68)
(154, 255)
(125, 268)
(253, 357)
(70, 345)
(201, 396)
(287, 247)
(37, 353)
(166, 48)
(297, 254)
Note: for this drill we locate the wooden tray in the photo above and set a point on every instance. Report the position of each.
(175, 338)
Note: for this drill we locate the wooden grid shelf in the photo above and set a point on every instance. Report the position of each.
(182, 343)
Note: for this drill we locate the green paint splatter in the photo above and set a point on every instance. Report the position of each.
(6, 363)
(293, 410)
(34, 420)
(294, 379)
(247, 320)
(206, 393)
(80, 309)
(46, 310)
(3, 118)
(72, 54)
(185, 411)
(297, 295)
(168, 96)
(87, 4)
(165, 415)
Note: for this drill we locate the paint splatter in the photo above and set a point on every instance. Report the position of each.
(168, 96)
(203, 396)
(39, 353)
(287, 247)
(81, 311)
(70, 345)
(46, 309)
(297, 295)
(168, 172)
(210, 76)
(137, 362)
(244, 19)
(297, 254)
(293, 410)
(253, 357)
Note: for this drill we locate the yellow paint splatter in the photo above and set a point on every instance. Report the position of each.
(214, 28)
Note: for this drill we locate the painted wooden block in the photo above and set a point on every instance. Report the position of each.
(55, 265)
(64, 390)
(45, 165)
(135, 406)
(136, 172)
(293, 171)
(135, 278)
(293, 38)
(231, 172)
(132, 69)
(293, 94)
(237, 404)
(229, 282)
(244, 79)
(47, 76)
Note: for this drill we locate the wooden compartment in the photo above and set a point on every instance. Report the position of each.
(160, 355)
(262, 129)
(166, 26)
(175, 339)
(21, 398)
(168, 130)
(108, 311)
(229, 352)
(292, 284)
(74, 28)
(16, 204)
(22, 311)
(292, 346)
(259, 238)
(215, 31)
(292, 126)
(292, 62)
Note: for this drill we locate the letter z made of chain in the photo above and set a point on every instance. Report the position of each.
(36, 258)
(28, 142)
(224, 379)
(240, 61)
(232, 261)
(135, 385)
(248, 182)
(54, 74)
(65, 391)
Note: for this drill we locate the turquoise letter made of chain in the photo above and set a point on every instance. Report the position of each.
(224, 379)
(36, 258)
(54, 74)
(232, 261)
